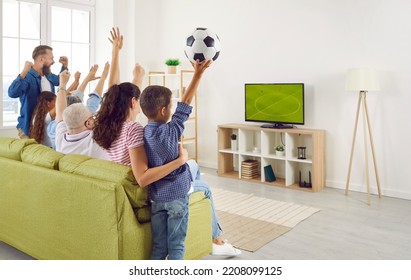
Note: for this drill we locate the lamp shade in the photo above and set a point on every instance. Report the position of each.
(361, 79)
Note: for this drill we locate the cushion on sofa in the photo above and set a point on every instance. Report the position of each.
(108, 171)
(11, 148)
(41, 155)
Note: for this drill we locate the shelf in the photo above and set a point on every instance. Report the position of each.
(162, 74)
(288, 169)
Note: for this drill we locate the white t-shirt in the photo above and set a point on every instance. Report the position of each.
(45, 84)
(81, 143)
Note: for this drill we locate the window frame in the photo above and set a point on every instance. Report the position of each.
(45, 32)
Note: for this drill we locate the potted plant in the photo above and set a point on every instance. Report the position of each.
(172, 64)
(280, 150)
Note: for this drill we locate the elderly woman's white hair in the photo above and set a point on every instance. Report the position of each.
(76, 115)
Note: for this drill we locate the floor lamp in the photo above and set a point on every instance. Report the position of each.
(363, 80)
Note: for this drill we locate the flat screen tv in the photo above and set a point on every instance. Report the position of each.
(279, 105)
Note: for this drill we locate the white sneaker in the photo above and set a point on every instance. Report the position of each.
(225, 249)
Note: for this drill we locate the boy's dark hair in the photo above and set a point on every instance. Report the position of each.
(40, 50)
(153, 99)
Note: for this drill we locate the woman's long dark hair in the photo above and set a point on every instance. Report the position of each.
(113, 113)
(39, 115)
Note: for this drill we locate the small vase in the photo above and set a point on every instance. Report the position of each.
(234, 145)
(171, 69)
(279, 153)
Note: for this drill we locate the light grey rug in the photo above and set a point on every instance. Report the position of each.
(249, 222)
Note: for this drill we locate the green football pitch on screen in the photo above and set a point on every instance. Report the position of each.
(275, 102)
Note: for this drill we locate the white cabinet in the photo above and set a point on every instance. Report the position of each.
(291, 169)
(178, 83)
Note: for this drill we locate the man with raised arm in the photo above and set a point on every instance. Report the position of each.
(35, 78)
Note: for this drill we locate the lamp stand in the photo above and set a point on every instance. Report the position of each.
(362, 102)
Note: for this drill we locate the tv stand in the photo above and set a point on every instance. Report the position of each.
(277, 125)
(256, 143)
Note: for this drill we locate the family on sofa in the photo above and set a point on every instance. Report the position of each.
(153, 153)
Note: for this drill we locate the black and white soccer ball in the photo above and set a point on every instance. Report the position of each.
(202, 44)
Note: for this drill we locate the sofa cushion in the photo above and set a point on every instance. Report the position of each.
(11, 148)
(41, 155)
(108, 171)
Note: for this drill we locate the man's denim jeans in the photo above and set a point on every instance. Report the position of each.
(169, 221)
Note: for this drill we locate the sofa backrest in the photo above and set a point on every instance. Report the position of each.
(107, 171)
(28, 151)
(12, 148)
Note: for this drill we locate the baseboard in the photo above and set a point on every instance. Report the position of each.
(208, 164)
(385, 191)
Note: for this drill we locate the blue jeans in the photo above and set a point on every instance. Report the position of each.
(202, 186)
(169, 221)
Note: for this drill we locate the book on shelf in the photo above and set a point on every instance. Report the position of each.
(249, 169)
(249, 162)
(250, 173)
(269, 174)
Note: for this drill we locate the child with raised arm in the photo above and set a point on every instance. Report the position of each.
(169, 196)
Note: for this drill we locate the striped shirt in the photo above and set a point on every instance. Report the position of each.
(131, 136)
(161, 145)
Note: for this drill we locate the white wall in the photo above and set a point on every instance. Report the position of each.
(285, 41)
(313, 42)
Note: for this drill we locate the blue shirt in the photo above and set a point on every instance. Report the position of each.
(161, 145)
(28, 90)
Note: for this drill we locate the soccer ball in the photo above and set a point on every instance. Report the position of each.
(202, 44)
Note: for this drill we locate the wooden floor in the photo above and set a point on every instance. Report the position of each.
(346, 228)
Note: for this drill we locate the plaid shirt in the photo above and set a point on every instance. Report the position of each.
(161, 145)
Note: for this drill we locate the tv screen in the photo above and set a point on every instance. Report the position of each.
(277, 104)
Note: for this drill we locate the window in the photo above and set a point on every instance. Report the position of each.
(24, 26)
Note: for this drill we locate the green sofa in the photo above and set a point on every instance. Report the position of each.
(55, 206)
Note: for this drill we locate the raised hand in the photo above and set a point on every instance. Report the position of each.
(27, 66)
(91, 76)
(100, 84)
(64, 78)
(26, 69)
(138, 75)
(116, 38)
(64, 61)
(77, 76)
(106, 69)
(117, 42)
(200, 67)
